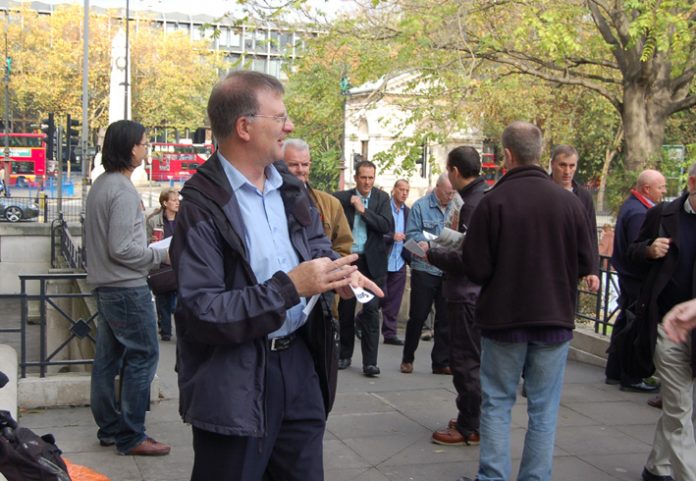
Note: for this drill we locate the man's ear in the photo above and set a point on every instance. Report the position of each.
(242, 128)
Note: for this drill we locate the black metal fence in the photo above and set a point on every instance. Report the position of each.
(29, 335)
(601, 307)
(64, 245)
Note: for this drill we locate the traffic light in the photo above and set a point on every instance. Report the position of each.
(48, 127)
(72, 138)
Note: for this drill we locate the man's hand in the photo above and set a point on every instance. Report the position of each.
(357, 203)
(399, 236)
(322, 274)
(592, 283)
(658, 248)
(679, 321)
(359, 280)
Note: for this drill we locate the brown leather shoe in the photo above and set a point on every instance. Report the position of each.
(149, 447)
(407, 367)
(443, 370)
(655, 401)
(452, 437)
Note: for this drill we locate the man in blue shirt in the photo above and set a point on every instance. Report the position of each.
(256, 372)
(428, 214)
(396, 264)
(368, 212)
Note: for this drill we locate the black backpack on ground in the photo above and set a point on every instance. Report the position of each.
(25, 456)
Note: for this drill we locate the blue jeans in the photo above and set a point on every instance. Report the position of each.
(501, 367)
(166, 303)
(126, 341)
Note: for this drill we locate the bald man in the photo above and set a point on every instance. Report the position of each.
(649, 189)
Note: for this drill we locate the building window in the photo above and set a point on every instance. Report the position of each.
(259, 65)
(275, 42)
(171, 27)
(261, 41)
(274, 67)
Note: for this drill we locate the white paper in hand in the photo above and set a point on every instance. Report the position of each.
(413, 247)
(361, 295)
(162, 244)
(310, 305)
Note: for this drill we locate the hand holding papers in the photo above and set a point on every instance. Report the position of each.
(413, 247)
(162, 244)
(449, 238)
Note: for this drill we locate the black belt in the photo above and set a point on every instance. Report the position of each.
(281, 343)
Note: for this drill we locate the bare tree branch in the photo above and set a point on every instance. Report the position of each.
(527, 70)
(684, 104)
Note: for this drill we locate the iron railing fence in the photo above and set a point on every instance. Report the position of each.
(601, 307)
(32, 344)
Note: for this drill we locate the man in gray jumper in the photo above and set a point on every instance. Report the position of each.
(118, 260)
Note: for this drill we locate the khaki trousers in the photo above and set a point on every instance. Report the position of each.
(674, 447)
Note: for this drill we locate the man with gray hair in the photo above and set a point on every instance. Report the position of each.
(528, 244)
(428, 214)
(299, 162)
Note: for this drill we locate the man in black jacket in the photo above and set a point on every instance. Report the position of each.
(564, 164)
(256, 372)
(463, 169)
(665, 252)
(369, 214)
(528, 244)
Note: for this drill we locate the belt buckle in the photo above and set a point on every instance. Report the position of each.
(273, 343)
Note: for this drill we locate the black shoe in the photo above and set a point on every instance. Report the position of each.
(371, 371)
(640, 387)
(394, 341)
(648, 476)
(166, 337)
(343, 363)
(611, 381)
(106, 442)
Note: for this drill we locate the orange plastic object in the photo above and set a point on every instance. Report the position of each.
(83, 473)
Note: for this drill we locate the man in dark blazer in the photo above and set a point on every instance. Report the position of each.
(369, 215)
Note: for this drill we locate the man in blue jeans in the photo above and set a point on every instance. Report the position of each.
(118, 260)
(527, 245)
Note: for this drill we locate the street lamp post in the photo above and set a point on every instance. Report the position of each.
(126, 82)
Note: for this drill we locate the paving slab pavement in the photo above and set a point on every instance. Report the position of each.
(379, 429)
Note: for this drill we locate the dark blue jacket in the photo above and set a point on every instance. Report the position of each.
(628, 223)
(224, 314)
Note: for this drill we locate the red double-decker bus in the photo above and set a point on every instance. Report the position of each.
(490, 170)
(28, 155)
(177, 161)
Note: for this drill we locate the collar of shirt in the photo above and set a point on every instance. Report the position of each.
(395, 207)
(238, 180)
(687, 205)
(365, 198)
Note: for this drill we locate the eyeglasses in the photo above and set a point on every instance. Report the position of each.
(283, 119)
(146, 144)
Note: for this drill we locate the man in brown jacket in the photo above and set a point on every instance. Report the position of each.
(299, 162)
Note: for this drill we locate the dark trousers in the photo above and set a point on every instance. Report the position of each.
(391, 302)
(166, 304)
(629, 292)
(426, 289)
(465, 362)
(369, 320)
(291, 449)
